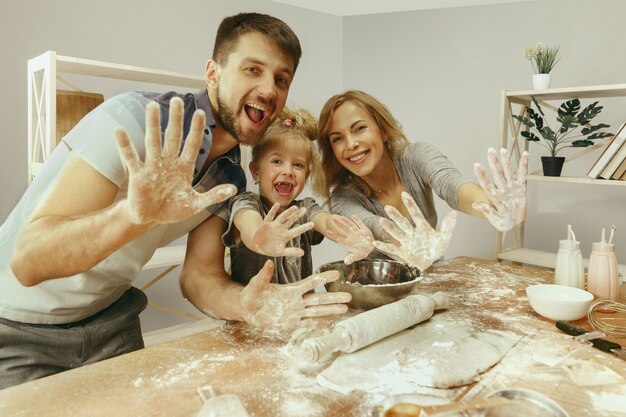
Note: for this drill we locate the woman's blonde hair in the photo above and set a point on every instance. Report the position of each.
(335, 174)
(297, 124)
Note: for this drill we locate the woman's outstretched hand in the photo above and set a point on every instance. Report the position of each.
(353, 235)
(506, 194)
(418, 244)
(275, 232)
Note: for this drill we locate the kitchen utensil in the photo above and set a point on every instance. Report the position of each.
(414, 410)
(411, 398)
(568, 269)
(356, 332)
(613, 326)
(559, 302)
(594, 338)
(227, 405)
(373, 282)
(527, 403)
(602, 274)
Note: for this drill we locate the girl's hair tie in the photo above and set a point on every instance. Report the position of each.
(288, 122)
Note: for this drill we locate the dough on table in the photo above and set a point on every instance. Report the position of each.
(440, 353)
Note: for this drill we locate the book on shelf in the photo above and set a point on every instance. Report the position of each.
(620, 171)
(609, 150)
(614, 162)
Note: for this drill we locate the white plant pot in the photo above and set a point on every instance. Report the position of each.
(541, 81)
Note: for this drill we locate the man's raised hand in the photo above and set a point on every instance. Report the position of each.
(159, 188)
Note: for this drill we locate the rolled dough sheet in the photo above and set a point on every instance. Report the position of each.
(440, 353)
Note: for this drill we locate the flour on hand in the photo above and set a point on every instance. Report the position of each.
(416, 243)
(506, 193)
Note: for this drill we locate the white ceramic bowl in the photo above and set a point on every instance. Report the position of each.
(559, 302)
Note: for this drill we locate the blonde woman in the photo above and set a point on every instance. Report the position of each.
(373, 172)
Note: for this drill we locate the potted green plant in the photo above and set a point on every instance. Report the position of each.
(543, 59)
(570, 117)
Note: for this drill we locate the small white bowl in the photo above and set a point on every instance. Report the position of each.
(559, 302)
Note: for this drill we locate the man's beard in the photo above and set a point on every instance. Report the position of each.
(227, 119)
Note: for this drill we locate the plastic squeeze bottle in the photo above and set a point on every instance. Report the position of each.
(568, 269)
(228, 405)
(602, 279)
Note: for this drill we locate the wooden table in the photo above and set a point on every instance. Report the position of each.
(236, 359)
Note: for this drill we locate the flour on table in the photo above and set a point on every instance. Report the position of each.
(440, 353)
(590, 373)
(544, 362)
(610, 401)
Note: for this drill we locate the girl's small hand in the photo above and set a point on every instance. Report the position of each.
(507, 195)
(418, 245)
(354, 235)
(272, 237)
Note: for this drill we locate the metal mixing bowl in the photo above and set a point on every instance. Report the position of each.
(373, 282)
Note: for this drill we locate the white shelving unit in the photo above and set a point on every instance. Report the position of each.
(44, 76)
(510, 139)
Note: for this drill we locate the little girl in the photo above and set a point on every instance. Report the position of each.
(260, 225)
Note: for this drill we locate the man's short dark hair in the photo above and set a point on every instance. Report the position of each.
(233, 27)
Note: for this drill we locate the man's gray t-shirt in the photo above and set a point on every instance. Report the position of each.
(59, 301)
(246, 263)
(422, 169)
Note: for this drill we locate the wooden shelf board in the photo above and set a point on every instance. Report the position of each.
(127, 72)
(598, 91)
(529, 256)
(575, 180)
(541, 258)
(168, 334)
(167, 256)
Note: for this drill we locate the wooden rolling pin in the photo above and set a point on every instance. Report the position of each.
(366, 328)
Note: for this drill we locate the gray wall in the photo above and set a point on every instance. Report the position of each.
(174, 36)
(440, 71)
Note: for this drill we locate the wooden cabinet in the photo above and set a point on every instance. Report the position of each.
(512, 248)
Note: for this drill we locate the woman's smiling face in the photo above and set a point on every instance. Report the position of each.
(356, 139)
